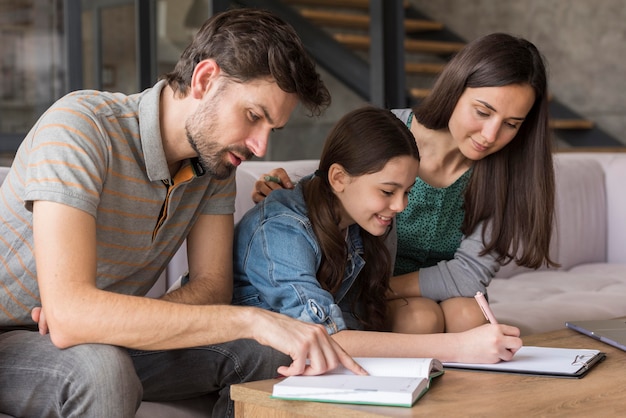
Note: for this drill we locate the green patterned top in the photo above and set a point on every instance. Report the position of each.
(429, 229)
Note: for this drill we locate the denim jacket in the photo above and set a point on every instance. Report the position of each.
(276, 258)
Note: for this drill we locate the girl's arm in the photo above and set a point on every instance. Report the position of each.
(279, 258)
(485, 344)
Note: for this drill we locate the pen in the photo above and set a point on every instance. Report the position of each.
(484, 306)
(273, 179)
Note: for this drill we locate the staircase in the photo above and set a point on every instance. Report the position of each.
(337, 33)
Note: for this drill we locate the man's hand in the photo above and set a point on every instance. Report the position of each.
(39, 317)
(302, 341)
(267, 182)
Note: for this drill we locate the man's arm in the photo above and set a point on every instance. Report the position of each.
(77, 312)
(210, 260)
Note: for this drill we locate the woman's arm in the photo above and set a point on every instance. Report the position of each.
(467, 273)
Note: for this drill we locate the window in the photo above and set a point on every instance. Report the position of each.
(51, 47)
(32, 65)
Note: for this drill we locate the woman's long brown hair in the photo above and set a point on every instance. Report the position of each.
(512, 189)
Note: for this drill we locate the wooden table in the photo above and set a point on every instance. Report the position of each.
(601, 393)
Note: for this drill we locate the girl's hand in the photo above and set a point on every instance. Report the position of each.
(489, 343)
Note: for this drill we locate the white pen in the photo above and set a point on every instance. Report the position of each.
(484, 306)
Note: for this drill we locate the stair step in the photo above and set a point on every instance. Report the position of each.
(419, 93)
(420, 25)
(571, 124)
(423, 67)
(410, 45)
(361, 21)
(355, 4)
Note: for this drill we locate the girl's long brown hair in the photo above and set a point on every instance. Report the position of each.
(362, 142)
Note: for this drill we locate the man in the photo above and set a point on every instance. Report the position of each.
(103, 191)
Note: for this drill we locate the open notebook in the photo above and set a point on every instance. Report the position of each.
(543, 361)
(392, 382)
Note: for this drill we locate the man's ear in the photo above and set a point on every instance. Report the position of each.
(338, 177)
(204, 76)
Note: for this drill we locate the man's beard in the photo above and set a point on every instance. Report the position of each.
(212, 158)
(200, 130)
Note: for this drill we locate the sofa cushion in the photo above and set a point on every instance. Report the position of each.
(545, 300)
(580, 228)
(615, 168)
(581, 214)
(188, 408)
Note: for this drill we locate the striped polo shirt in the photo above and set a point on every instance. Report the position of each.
(102, 153)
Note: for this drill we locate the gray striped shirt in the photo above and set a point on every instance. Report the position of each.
(102, 153)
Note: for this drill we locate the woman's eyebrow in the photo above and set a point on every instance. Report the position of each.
(487, 105)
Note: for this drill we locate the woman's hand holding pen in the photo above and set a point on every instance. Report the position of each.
(275, 179)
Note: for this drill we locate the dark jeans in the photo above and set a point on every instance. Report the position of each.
(96, 380)
(181, 374)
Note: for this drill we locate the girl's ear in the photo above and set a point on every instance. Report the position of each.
(338, 177)
(204, 76)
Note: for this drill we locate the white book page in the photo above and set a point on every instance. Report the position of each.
(392, 381)
(393, 367)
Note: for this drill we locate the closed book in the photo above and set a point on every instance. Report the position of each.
(391, 382)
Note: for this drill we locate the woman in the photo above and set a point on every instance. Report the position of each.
(317, 253)
(485, 189)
